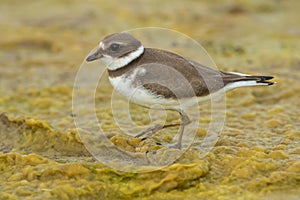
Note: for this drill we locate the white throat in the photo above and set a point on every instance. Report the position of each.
(116, 63)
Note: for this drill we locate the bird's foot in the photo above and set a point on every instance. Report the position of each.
(176, 146)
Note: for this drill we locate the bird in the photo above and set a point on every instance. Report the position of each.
(148, 76)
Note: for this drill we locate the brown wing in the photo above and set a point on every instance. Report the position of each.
(171, 75)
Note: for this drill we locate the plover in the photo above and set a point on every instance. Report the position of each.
(148, 76)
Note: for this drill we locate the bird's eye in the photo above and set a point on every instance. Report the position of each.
(114, 47)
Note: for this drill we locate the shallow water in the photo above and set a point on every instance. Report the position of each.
(42, 155)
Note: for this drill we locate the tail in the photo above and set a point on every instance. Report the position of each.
(234, 80)
(262, 79)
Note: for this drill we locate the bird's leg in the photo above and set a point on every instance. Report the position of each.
(152, 130)
(185, 120)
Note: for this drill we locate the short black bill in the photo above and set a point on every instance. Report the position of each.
(94, 56)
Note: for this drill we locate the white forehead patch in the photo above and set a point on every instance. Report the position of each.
(101, 45)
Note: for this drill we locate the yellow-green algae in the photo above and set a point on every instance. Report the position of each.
(42, 46)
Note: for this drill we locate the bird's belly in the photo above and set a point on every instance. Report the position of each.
(136, 93)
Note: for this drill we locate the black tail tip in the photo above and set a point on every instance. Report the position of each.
(264, 79)
(267, 77)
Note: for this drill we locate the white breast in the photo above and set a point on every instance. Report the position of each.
(135, 92)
